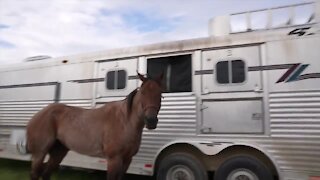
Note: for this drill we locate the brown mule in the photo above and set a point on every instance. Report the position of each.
(112, 131)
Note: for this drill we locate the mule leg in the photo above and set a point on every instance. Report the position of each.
(40, 138)
(57, 153)
(115, 168)
(126, 164)
(36, 166)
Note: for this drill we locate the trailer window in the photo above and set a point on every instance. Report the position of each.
(116, 79)
(230, 71)
(177, 72)
(238, 71)
(223, 72)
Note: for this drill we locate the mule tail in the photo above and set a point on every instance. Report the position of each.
(22, 146)
(19, 139)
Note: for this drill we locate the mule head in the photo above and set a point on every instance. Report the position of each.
(151, 99)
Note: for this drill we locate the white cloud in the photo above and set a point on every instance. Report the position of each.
(63, 27)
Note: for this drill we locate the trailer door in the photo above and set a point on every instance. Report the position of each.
(117, 79)
(232, 94)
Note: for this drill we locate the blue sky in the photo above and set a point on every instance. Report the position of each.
(65, 27)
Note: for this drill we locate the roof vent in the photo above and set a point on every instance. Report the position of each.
(37, 58)
(219, 26)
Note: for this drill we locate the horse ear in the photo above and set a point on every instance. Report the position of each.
(141, 77)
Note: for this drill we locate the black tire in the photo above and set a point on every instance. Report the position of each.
(244, 166)
(181, 166)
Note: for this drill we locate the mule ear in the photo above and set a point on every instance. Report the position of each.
(141, 77)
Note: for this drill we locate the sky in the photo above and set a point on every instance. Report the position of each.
(66, 27)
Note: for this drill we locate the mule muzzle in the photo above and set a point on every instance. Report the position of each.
(151, 123)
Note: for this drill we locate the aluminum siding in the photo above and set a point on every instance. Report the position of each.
(15, 115)
(295, 127)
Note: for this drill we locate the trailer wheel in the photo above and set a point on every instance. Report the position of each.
(181, 166)
(243, 167)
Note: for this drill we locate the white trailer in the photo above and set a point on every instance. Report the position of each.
(242, 103)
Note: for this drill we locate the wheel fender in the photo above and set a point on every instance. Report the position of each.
(206, 147)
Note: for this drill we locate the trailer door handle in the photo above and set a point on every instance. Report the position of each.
(258, 90)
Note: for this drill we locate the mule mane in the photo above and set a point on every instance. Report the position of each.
(130, 100)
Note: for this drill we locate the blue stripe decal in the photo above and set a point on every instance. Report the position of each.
(296, 74)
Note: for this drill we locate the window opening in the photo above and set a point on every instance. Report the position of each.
(177, 72)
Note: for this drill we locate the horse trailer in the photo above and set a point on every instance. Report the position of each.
(243, 102)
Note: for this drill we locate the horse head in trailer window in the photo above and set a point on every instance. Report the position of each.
(112, 131)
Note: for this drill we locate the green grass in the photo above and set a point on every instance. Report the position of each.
(19, 170)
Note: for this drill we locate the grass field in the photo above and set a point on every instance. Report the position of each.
(19, 170)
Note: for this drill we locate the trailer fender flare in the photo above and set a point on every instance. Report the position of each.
(206, 147)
